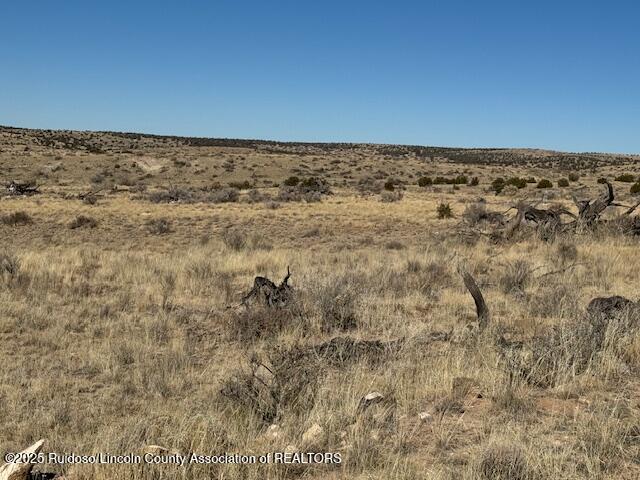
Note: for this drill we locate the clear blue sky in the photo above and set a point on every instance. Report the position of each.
(554, 74)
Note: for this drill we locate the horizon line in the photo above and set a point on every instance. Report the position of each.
(311, 142)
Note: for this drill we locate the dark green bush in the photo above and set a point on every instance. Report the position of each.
(439, 181)
(245, 185)
(291, 181)
(444, 211)
(626, 177)
(425, 181)
(574, 177)
(460, 180)
(497, 185)
(517, 182)
(635, 188)
(314, 184)
(544, 183)
(563, 182)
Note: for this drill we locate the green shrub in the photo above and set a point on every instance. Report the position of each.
(574, 177)
(291, 181)
(389, 186)
(474, 182)
(439, 181)
(460, 180)
(244, 185)
(444, 211)
(602, 180)
(544, 183)
(517, 182)
(635, 188)
(497, 185)
(626, 177)
(531, 180)
(563, 182)
(425, 181)
(314, 185)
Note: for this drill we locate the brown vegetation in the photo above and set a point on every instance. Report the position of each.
(501, 341)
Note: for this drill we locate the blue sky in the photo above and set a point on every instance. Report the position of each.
(561, 74)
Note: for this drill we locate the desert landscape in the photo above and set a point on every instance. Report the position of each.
(420, 312)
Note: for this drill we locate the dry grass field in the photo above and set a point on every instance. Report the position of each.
(121, 324)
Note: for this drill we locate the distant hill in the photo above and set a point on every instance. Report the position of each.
(125, 142)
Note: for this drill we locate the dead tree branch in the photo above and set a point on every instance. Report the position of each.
(589, 211)
(273, 295)
(562, 270)
(15, 188)
(482, 311)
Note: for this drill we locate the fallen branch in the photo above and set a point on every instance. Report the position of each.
(562, 270)
(589, 211)
(482, 311)
(20, 470)
(15, 188)
(632, 209)
(273, 295)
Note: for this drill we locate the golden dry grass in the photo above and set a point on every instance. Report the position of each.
(115, 337)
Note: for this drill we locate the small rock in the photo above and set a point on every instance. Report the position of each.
(425, 417)
(369, 399)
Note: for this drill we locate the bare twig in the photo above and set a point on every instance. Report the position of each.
(562, 270)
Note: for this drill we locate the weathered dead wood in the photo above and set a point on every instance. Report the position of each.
(631, 209)
(20, 471)
(556, 272)
(550, 219)
(514, 224)
(90, 193)
(15, 188)
(589, 211)
(482, 311)
(273, 295)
